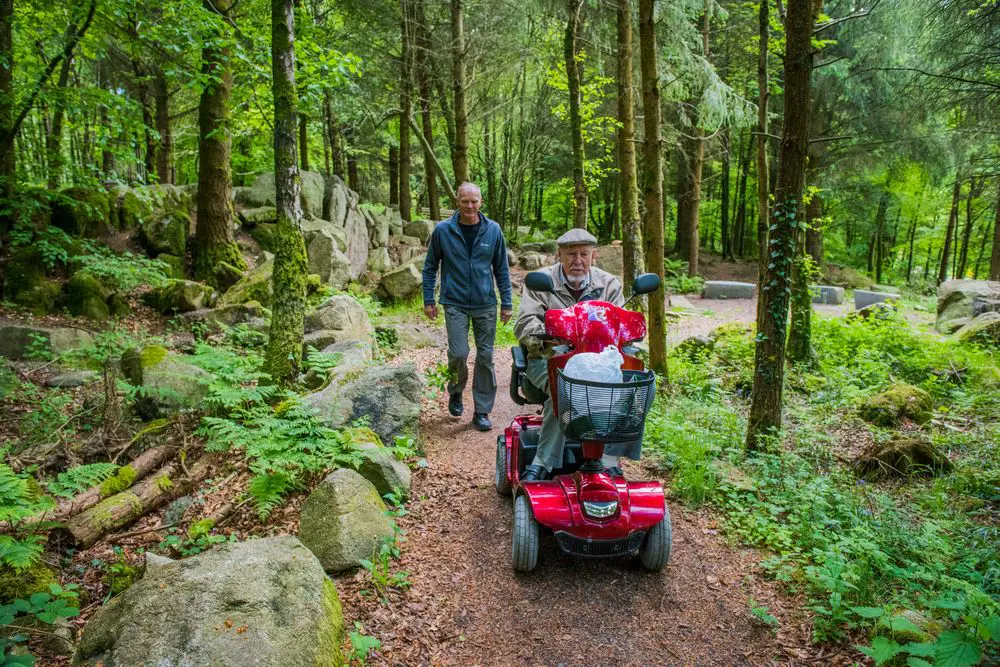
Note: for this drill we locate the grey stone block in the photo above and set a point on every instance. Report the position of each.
(728, 289)
(827, 294)
(863, 298)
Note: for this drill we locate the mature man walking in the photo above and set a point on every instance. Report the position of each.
(470, 249)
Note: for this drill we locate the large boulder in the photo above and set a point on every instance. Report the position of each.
(378, 227)
(394, 220)
(326, 259)
(87, 296)
(169, 382)
(611, 258)
(895, 403)
(864, 298)
(341, 313)
(255, 286)
(957, 299)
(216, 319)
(549, 246)
(389, 396)
(385, 471)
(343, 521)
(827, 294)
(25, 283)
(181, 296)
(251, 217)
(313, 226)
(82, 211)
(260, 602)
(340, 198)
(23, 341)
(728, 289)
(379, 260)
(261, 192)
(533, 260)
(902, 456)
(984, 329)
(402, 283)
(165, 233)
(356, 233)
(420, 229)
(350, 356)
(846, 276)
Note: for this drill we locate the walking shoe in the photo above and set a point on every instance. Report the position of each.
(533, 473)
(455, 405)
(482, 421)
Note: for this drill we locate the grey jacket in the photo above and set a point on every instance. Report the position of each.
(467, 281)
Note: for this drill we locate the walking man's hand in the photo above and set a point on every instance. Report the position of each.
(505, 315)
(432, 312)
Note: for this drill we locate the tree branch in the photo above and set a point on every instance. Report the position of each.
(858, 15)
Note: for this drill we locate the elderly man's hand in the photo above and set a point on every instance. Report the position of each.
(431, 312)
(505, 315)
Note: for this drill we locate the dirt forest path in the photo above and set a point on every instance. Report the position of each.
(466, 605)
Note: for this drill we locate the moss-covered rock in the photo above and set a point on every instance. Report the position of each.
(82, 212)
(87, 297)
(9, 382)
(226, 275)
(169, 382)
(42, 299)
(180, 296)
(983, 330)
(251, 217)
(26, 284)
(15, 585)
(135, 208)
(902, 456)
(165, 233)
(118, 305)
(266, 235)
(895, 403)
(255, 286)
(24, 341)
(175, 265)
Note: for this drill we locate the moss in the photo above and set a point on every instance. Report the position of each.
(152, 355)
(21, 584)
(9, 382)
(200, 528)
(105, 514)
(363, 434)
(40, 299)
(265, 234)
(133, 210)
(82, 212)
(895, 403)
(87, 296)
(164, 483)
(902, 456)
(123, 478)
(207, 259)
(313, 282)
(174, 263)
(118, 306)
(331, 633)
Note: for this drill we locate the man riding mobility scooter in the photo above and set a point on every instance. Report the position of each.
(593, 511)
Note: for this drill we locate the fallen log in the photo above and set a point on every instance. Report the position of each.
(142, 465)
(122, 509)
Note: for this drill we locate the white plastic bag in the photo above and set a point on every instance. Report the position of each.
(603, 366)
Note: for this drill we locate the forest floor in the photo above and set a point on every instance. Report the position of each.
(466, 605)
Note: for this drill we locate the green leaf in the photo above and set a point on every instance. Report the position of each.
(901, 624)
(991, 629)
(924, 649)
(957, 649)
(882, 650)
(868, 612)
(917, 662)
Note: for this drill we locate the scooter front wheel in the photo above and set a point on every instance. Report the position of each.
(655, 550)
(524, 542)
(500, 482)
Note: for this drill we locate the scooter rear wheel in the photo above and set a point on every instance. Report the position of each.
(500, 482)
(655, 550)
(524, 543)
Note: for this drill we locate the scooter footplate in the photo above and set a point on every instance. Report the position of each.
(579, 546)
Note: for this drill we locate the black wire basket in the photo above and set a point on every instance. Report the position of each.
(606, 411)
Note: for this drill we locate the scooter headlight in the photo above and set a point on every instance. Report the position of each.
(600, 510)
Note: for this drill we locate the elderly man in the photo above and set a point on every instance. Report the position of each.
(575, 280)
(470, 249)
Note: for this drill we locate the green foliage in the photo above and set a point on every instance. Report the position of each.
(320, 362)
(184, 546)
(52, 243)
(676, 279)
(438, 377)
(19, 501)
(80, 478)
(119, 574)
(121, 272)
(24, 616)
(121, 480)
(361, 644)
(382, 577)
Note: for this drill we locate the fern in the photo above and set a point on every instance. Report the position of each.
(18, 501)
(75, 480)
(268, 490)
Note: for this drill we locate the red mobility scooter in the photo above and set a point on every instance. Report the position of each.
(593, 512)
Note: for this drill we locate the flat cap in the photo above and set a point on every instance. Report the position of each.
(576, 237)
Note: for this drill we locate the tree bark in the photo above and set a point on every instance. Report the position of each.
(424, 77)
(393, 176)
(53, 140)
(762, 168)
(814, 234)
(652, 186)
(435, 163)
(7, 132)
(769, 359)
(909, 258)
(570, 52)
(724, 213)
(995, 257)
(460, 156)
(628, 179)
(956, 194)
(405, 105)
(165, 145)
(693, 195)
(121, 509)
(284, 346)
(303, 142)
(883, 205)
(213, 242)
(969, 224)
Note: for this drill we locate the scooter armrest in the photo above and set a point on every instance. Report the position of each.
(520, 358)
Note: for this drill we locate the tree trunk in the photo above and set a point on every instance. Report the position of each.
(694, 201)
(393, 176)
(652, 186)
(800, 332)
(424, 76)
(956, 194)
(724, 213)
(909, 258)
(107, 156)
(570, 52)
(165, 145)
(488, 165)
(303, 142)
(741, 213)
(213, 242)
(995, 257)
(284, 345)
(769, 358)
(814, 233)
(628, 179)
(405, 105)
(883, 205)
(969, 223)
(460, 156)
(7, 132)
(762, 168)
(53, 141)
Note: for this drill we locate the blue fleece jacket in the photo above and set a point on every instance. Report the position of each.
(467, 280)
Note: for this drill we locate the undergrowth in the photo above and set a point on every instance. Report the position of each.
(912, 565)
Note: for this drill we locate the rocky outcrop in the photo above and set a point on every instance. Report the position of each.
(389, 396)
(984, 330)
(611, 258)
(215, 320)
(165, 233)
(327, 260)
(259, 602)
(343, 315)
(343, 521)
(24, 341)
(261, 192)
(957, 299)
(169, 382)
(385, 471)
(401, 283)
(255, 286)
(533, 260)
(181, 296)
(87, 297)
(902, 456)
(420, 229)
